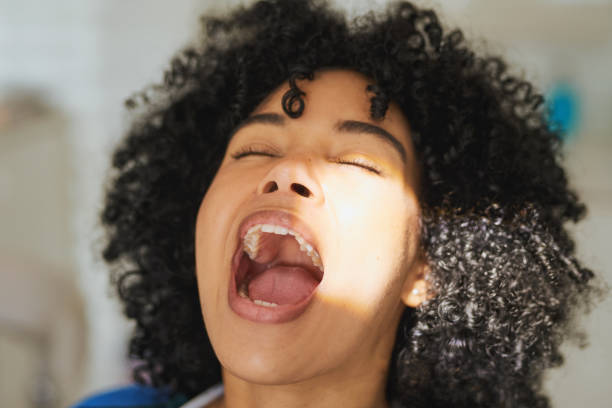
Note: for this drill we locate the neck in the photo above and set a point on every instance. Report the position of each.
(365, 390)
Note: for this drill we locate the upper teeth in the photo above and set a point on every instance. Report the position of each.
(251, 241)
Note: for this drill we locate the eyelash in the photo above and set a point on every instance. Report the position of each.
(356, 162)
(249, 151)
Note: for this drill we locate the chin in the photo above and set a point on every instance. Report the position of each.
(270, 368)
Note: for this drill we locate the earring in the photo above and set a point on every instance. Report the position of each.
(415, 291)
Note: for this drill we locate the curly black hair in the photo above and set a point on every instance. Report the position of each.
(503, 275)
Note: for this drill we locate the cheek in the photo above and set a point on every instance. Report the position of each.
(376, 238)
(213, 245)
(218, 208)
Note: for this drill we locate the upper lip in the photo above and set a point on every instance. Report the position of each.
(282, 218)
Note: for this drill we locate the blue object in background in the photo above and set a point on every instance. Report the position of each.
(564, 107)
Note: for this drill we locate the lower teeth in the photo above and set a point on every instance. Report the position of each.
(243, 292)
(264, 303)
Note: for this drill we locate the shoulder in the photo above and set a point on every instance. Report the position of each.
(132, 396)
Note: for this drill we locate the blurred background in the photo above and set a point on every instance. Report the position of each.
(65, 69)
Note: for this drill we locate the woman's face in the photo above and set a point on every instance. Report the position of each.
(288, 315)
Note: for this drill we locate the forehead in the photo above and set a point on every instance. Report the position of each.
(336, 95)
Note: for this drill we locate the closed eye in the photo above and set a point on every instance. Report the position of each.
(250, 151)
(360, 163)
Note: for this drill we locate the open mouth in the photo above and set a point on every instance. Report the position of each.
(275, 273)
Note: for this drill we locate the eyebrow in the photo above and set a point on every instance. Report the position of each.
(354, 126)
(345, 126)
(264, 118)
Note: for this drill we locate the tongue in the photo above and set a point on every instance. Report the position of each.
(282, 285)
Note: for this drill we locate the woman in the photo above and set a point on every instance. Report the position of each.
(316, 212)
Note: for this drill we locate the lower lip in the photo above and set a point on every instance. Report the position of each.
(248, 310)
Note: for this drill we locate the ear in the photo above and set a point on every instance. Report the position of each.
(414, 291)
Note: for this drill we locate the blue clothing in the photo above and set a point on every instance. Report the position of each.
(133, 396)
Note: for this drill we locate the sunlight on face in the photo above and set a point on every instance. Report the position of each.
(352, 181)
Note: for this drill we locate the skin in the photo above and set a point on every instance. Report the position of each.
(337, 352)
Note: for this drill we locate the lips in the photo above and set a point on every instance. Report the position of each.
(245, 307)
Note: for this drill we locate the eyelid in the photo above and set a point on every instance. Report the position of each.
(253, 151)
(365, 164)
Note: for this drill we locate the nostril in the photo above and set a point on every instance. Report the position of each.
(301, 190)
(270, 187)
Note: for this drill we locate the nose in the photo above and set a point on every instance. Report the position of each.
(292, 176)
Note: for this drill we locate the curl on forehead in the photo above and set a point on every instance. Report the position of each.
(293, 102)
